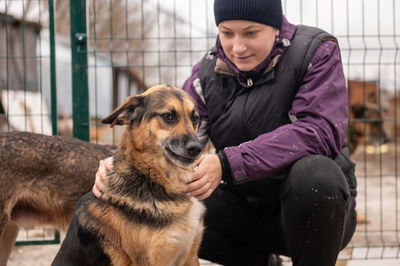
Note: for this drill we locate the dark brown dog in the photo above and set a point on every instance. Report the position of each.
(366, 126)
(144, 216)
(41, 178)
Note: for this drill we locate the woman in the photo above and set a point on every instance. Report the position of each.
(273, 101)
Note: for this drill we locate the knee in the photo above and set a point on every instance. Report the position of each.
(315, 176)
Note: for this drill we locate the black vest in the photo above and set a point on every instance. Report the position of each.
(237, 114)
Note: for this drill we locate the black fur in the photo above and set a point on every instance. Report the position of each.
(141, 188)
(144, 216)
(81, 246)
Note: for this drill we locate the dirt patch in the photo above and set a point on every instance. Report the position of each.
(41, 255)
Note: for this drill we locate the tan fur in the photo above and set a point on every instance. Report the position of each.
(128, 243)
(41, 178)
(145, 148)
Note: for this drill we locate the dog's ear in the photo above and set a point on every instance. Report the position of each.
(131, 109)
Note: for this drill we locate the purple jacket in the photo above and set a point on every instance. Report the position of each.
(320, 102)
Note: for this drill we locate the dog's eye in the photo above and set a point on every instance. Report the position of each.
(195, 119)
(168, 116)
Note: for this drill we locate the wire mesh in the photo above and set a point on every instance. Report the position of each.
(24, 92)
(134, 44)
(150, 42)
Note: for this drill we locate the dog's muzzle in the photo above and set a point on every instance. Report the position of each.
(183, 151)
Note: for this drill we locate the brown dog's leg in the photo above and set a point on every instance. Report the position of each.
(7, 241)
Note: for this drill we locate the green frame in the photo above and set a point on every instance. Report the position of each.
(56, 239)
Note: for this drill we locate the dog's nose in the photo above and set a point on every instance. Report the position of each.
(193, 148)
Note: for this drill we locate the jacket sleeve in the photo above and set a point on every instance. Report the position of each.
(193, 87)
(319, 122)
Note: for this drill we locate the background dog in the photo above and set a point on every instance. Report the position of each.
(366, 126)
(41, 178)
(144, 216)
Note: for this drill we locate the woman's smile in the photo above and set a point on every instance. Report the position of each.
(247, 44)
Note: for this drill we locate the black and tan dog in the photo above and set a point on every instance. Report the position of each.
(41, 179)
(144, 216)
(366, 126)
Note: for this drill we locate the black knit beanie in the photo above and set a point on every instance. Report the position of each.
(268, 12)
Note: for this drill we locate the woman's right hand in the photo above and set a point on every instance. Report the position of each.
(101, 176)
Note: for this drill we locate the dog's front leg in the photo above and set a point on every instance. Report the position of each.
(192, 258)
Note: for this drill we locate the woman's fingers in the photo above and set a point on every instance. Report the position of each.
(96, 191)
(198, 187)
(205, 178)
(101, 176)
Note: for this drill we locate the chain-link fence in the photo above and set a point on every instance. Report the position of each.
(25, 81)
(146, 42)
(130, 45)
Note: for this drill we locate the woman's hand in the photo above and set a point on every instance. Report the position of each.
(206, 177)
(101, 176)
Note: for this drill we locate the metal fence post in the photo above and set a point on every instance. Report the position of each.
(80, 88)
(53, 85)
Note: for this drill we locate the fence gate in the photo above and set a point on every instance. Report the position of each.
(92, 54)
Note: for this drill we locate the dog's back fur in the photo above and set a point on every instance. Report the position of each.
(41, 178)
(145, 216)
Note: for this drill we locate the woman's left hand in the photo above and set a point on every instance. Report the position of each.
(206, 177)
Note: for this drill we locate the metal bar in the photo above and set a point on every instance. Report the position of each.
(53, 88)
(381, 186)
(38, 57)
(53, 84)
(80, 88)
(175, 52)
(128, 91)
(213, 35)
(143, 45)
(114, 72)
(94, 43)
(159, 39)
(366, 229)
(396, 156)
(7, 69)
(24, 62)
(56, 240)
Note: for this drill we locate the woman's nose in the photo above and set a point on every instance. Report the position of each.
(239, 46)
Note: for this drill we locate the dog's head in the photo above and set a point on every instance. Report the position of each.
(366, 125)
(162, 121)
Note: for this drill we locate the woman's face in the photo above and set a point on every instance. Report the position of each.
(246, 43)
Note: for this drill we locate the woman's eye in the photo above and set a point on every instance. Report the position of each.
(251, 33)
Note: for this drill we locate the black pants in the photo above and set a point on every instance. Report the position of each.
(308, 215)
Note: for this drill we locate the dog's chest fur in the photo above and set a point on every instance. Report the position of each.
(147, 212)
(195, 226)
